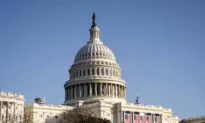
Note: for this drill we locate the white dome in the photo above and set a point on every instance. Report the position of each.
(95, 51)
(95, 74)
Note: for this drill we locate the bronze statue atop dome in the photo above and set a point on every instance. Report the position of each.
(94, 20)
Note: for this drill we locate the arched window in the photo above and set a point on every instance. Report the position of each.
(80, 73)
(102, 71)
(93, 71)
(84, 72)
(107, 71)
(88, 72)
(113, 72)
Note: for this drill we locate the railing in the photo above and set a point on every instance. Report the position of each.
(11, 94)
(98, 77)
(53, 106)
(149, 106)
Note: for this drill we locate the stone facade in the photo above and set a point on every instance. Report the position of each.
(11, 107)
(40, 112)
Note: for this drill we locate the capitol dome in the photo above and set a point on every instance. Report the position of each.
(95, 73)
(93, 50)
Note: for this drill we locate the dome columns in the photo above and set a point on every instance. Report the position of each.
(92, 90)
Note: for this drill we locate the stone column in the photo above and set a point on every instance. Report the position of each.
(75, 91)
(106, 90)
(71, 88)
(69, 92)
(85, 88)
(66, 93)
(115, 94)
(7, 111)
(124, 91)
(118, 91)
(101, 89)
(90, 89)
(80, 90)
(121, 91)
(96, 92)
(109, 90)
(0, 110)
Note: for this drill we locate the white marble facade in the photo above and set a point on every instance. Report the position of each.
(11, 107)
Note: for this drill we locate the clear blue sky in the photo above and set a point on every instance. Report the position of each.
(160, 46)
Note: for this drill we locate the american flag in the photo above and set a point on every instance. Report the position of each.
(127, 117)
(143, 119)
(156, 119)
(135, 117)
(149, 120)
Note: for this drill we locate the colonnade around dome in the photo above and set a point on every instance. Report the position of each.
(84, 90)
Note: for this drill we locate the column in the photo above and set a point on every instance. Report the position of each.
(123, 88)
(0, 110)
(115, 94)
(22, 112)
(75, 91)
(66, 93)
(121, 91)
(90, 89)
(80, 90)
(113, 90)
(96, 92)
(124, 91)
(85, 88)
(7, 111)
(106, 90)
(101, 89)
(71, 92)
(109, 92)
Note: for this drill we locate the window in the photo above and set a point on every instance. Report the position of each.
(102, 71)
(84, 72)
(93, 71)
(80, 72)
(107, 72)
(98, 71)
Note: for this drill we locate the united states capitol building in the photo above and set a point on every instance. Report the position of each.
(95, 80)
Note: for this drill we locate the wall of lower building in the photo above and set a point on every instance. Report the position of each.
(11, 107)
(40, 113)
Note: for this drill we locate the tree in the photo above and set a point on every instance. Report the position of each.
(80, 114)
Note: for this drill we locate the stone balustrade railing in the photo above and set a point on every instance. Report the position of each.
(52, 106)
(98, 77)
(150, 107)
(11, 94)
